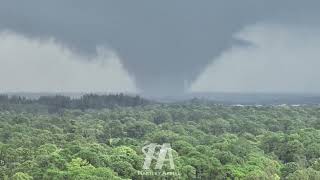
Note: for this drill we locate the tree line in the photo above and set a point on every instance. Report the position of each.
(58, 103)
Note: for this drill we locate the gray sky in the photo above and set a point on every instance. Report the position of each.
(163, 44)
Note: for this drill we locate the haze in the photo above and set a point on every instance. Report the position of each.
(159, 48)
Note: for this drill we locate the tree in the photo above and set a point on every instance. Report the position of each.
(21, 176)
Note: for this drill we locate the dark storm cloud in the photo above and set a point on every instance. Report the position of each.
(162, 43)
(280, 59)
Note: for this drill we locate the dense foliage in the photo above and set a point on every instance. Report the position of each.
(209, 142)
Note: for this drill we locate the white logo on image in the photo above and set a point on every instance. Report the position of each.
(150, 151)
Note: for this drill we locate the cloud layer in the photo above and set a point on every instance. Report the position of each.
(278, 59)
(44, 65)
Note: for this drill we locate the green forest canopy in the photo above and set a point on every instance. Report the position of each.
(104, 140)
